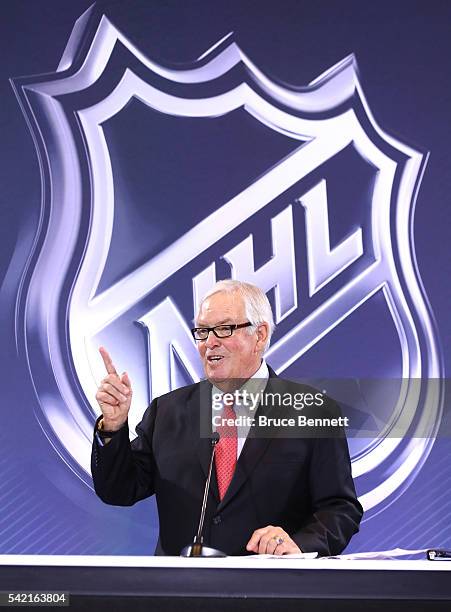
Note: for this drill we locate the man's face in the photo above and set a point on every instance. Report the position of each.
(235, 357)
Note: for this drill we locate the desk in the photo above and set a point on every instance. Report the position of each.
(234, 583)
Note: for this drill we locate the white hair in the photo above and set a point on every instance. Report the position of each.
(256, 304)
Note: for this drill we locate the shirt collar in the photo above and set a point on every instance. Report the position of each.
(254, 385)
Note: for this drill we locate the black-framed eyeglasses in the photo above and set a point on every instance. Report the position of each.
(220, 331)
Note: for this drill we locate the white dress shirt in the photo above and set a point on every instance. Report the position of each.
(254, 386)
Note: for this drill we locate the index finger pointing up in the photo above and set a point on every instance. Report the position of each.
(107, 361)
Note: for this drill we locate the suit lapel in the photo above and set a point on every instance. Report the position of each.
(200, 410)
(253, 449)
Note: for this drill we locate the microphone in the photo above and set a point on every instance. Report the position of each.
(197, 548)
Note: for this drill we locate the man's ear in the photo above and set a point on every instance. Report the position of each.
(262, 335)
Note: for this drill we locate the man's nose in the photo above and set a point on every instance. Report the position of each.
(211, 340)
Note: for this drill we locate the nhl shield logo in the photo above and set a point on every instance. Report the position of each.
(146, 203)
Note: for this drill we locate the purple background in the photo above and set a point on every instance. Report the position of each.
(403, 52)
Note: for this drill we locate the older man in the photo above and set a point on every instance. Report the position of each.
(276, 494)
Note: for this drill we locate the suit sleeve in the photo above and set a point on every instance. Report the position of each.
(336, 511)
(123, 472)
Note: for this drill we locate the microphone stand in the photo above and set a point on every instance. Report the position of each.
(197, 548)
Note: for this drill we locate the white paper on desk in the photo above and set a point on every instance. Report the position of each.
(395, 553)
(310, 555)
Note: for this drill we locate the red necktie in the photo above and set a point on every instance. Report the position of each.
(226, 450)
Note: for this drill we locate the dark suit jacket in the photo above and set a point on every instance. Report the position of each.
(303, 485)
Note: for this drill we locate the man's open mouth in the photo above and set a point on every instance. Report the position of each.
(214, 358)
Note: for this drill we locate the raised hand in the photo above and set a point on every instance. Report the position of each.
(114, 395)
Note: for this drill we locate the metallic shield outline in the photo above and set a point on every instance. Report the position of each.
(39, 309)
